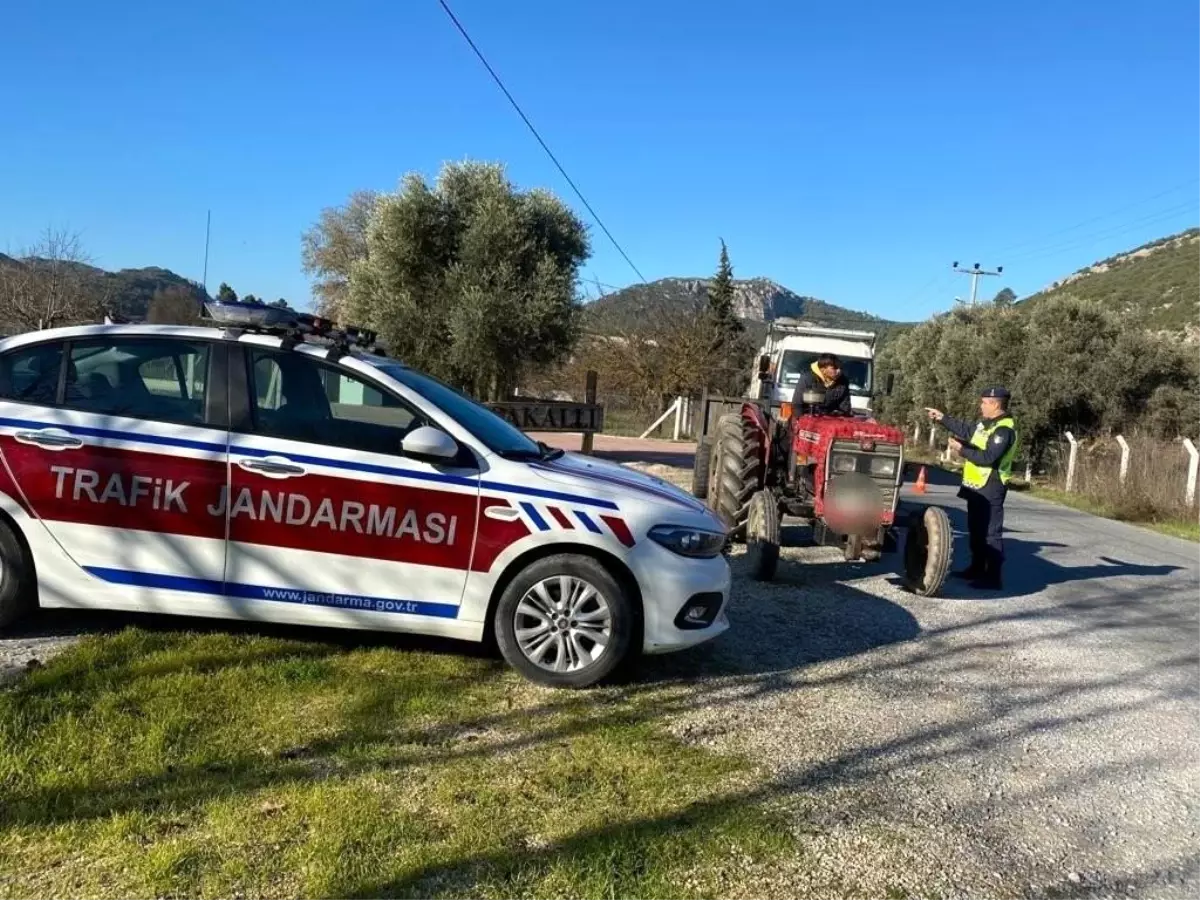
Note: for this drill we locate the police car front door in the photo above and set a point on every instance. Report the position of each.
(328, 522)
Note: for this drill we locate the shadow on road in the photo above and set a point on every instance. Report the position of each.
(1026, 570)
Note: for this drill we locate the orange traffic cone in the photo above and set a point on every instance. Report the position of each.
(919, 487)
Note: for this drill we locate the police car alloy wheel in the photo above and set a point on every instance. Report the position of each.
(565, 621)
(17, 591)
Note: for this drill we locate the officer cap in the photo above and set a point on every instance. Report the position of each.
(996, 391)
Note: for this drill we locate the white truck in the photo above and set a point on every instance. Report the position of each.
(792, 346)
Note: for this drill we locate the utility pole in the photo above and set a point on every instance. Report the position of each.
(975, 272)
(207, 231)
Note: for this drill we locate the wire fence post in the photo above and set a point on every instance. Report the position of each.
(1124, 444)
(1193, 467)
(670, 412)
(678, 418)
(589, 397)
(1071, 461)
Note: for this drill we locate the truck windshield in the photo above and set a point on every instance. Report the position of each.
(858, 371)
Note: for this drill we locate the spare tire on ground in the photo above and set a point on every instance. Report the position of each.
(927, 547)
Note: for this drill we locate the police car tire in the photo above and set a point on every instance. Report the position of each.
(738, 472)
(700, 468)
(619, 602)
(18, 592)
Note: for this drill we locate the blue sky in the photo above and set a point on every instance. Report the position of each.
(850, 151)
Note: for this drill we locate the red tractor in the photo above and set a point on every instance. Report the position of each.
(840, 473)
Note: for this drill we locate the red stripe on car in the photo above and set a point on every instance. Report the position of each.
(620, 529)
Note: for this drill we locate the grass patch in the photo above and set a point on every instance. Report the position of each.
(1134, 514)
(150, 763)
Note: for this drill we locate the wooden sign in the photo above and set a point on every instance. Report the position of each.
(552, 415)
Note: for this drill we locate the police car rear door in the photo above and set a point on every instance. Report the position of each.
(123, 454)
(329, 522)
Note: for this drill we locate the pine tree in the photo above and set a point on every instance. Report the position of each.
(226, 294)
(720, 298)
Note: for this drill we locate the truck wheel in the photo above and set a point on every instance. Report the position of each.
(564, 621)
(700, 469)
(736, 472)
(18, 587)
(762, 536)
(927, 551)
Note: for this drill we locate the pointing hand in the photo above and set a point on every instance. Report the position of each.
(935, 414)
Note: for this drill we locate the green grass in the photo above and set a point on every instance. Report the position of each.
(1188, 530)
(150, 763)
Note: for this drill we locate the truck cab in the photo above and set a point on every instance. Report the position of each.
(791, 347)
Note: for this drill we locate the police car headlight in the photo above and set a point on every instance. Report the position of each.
(685, 541)
(840, 463)
(883, 466)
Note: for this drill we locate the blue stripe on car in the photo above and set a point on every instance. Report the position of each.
(535, 516)
(217, 588)
(436, 477)
(587, 522)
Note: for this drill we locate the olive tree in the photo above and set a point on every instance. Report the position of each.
(470, 278)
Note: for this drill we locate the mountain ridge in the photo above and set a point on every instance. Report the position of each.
(1155, 285)
(755, 300)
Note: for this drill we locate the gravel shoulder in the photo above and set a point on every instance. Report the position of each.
(1042, 741)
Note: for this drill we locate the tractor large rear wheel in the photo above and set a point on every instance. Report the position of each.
(736, 472)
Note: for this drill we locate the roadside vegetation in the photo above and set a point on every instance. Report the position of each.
(149, 763)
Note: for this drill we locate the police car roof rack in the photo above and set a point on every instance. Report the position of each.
(292, 327)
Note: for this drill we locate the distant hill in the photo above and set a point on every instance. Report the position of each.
(756, 300)
(127, 292)
(1157, 285)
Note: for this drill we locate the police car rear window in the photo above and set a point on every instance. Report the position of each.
(164, 379)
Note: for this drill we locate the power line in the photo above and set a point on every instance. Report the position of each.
(534, 132)
(1081, 241)
(1037, 240)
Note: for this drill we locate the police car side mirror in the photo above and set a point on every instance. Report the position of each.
(429, 443)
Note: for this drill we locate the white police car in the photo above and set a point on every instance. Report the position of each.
(274, 469)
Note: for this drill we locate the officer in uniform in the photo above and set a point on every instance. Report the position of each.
(987, 450)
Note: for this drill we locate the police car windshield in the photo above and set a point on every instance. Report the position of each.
(495, 433)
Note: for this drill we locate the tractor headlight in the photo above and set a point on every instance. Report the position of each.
(841, 463)
(884, 466)
(685, 541)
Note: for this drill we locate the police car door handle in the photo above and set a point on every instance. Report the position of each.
(272, 467)
(49, 438)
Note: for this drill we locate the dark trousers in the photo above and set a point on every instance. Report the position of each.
(985, 526)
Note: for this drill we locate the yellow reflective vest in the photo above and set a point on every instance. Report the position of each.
(976, 477)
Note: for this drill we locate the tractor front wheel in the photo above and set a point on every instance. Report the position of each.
(735, 472)
(927, 551)
(700, 468)
(762, 536)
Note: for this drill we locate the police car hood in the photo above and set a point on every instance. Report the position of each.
(584, 472)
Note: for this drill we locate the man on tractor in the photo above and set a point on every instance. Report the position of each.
(825, 376)
(988, 451)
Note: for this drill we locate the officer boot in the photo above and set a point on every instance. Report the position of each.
(975, 570)
(989, 579)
